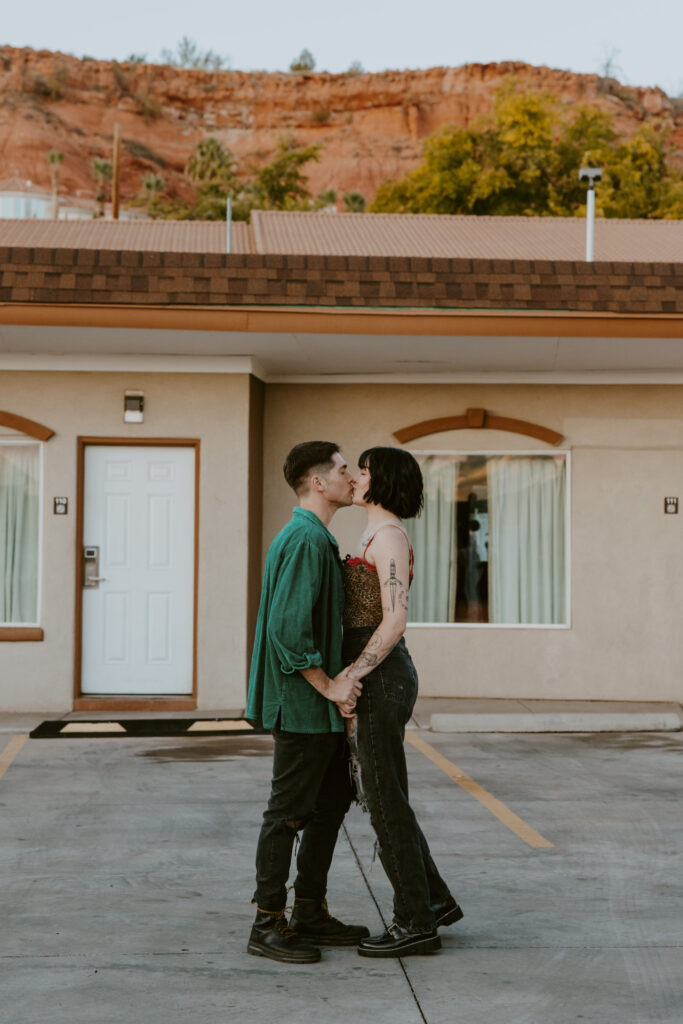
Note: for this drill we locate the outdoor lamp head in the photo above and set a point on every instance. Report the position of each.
(590, 174)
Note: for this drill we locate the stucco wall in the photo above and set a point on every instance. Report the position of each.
(213, 408)
(626, 555)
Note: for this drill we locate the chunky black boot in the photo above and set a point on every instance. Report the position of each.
(446, 913)
(272, 937)
(311, 920)
(398, 941)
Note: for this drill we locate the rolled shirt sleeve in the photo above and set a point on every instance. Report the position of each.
(290, 623)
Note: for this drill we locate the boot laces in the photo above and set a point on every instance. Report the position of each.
(280, 922)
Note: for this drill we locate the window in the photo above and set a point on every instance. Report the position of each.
(19, 532)
(491, 543)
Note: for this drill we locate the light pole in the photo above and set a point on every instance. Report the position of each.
(591, 175)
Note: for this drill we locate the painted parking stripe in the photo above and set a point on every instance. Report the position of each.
(11, 751)
(496, 807)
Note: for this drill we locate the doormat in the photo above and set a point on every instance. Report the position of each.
(138, 727)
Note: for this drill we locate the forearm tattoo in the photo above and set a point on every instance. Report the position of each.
(374, 652)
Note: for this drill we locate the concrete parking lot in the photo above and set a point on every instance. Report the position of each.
(127, 875)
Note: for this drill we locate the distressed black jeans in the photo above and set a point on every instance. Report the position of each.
(383, 710)
(310, 792)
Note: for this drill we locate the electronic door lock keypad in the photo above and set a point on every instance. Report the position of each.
(91, 567)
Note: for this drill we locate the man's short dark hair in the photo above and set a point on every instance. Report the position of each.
(305, 457)
(395, 481)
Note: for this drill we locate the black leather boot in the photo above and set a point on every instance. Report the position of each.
(398, 941)
(446, 913)
(311, 920)
(272, 937)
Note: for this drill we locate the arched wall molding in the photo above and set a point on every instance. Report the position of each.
(24, 426)
(478, 419)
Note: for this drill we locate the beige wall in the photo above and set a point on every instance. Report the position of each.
(626, 555)
(213, 408)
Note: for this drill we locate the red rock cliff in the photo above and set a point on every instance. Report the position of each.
(371, 125)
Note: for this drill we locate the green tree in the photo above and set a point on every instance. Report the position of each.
(188, 55)
(211, 164)
(324, 199)
(354, 202)
(213, 170)
(638, 180)
(103, 174)
(281, 185)
(304, 62)
(54, 159)
(524, 159)
(152, 185)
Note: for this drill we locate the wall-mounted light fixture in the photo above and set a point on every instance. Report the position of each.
(133, 406)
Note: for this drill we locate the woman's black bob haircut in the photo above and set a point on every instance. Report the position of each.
(395, 481)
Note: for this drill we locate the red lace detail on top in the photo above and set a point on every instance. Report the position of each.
(363, 561)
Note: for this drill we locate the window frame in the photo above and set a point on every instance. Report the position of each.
(7, 626)
(567, 539)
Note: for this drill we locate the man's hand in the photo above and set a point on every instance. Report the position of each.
(347, 711)
(345, 691)
(342, 690)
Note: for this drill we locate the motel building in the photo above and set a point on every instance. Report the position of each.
(151, 384)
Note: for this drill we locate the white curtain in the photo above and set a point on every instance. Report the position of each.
(19, 513)
(433, 536)
(527, 539)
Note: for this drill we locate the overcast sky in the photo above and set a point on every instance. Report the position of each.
(643, 38)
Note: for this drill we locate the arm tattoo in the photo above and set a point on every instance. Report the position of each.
(375, 651)
(392, 583)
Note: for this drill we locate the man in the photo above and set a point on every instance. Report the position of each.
(293, 692)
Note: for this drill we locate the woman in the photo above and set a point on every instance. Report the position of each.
(389, 487)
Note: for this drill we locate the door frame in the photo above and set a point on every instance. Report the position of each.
(124, 702)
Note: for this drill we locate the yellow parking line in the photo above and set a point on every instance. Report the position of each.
(496, 807)
(11, 751)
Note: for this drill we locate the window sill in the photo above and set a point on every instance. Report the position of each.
(488, 625)
(20, 633)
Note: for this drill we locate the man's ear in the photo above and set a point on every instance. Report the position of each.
(316, 483)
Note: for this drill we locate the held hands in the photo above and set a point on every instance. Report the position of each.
(344, 691)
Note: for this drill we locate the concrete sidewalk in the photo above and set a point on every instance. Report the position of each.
(127, 874)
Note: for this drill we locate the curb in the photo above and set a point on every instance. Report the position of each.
(663, 721)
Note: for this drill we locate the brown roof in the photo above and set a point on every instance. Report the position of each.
(368, 234)
(398, 234)
(125, 235)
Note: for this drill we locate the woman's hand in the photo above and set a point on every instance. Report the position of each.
(344, 691)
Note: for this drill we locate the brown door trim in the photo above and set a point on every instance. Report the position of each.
(134, 702)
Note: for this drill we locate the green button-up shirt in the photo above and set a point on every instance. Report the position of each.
(299, 626)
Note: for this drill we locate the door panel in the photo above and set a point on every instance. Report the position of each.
(137, 635)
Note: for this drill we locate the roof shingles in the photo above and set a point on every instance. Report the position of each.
(114, 277)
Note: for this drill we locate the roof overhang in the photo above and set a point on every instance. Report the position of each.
(290, 342)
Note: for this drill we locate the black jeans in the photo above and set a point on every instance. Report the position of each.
(383, 709)
(311, 791)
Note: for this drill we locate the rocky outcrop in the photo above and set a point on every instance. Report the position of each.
(371, 126)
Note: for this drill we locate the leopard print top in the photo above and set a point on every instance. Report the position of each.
(362, 589)
(363, 596)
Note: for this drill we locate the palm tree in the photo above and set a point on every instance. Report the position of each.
(210, 164)
(152, 185)
(103, 172)
(54, 159)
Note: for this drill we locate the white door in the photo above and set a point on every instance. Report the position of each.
(138, 529)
